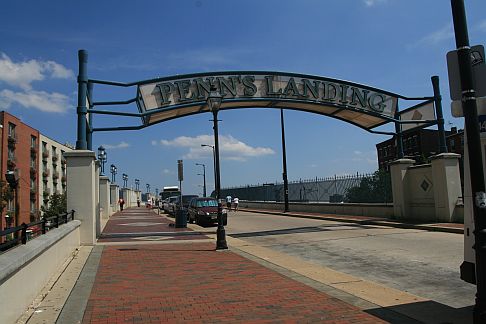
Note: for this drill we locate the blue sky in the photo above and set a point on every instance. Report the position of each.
(388, 44)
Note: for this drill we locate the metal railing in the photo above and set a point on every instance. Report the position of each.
(10, 236)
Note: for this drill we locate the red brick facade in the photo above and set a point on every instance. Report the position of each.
(19, 149)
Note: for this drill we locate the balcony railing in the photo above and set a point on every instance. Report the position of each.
(33, 150)
(55, 175)
(45, 173)
(46, 192)
(12, 139)
(45, 155)
(55, 157)
(11, 163)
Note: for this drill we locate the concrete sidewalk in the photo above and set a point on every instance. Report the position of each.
(439, 227)
(143, 270)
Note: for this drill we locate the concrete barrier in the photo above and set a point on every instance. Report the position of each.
(373, 210)
(26, 269)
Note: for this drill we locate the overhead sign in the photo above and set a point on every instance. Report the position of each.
(420, 112)
(169, 98)
(478, 69)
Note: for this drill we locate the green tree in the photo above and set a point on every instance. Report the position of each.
(57, 205)
(6, 195)
(373, 189)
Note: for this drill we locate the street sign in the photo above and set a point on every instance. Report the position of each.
(478, 69)
(420, 112)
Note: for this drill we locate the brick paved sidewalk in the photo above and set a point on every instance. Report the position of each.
(193, 283)
(188, 281)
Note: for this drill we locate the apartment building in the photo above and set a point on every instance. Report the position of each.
(19, 153)
(52, 168)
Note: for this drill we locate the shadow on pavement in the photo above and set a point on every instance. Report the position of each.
(424, 312)
(309, 229)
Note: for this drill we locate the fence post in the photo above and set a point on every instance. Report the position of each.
(57, 221)
(24, 233)
(44, 223)
(72, 214)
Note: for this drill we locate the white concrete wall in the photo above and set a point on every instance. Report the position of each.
(374, 210)
(26, 269)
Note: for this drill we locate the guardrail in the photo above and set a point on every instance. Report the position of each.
(10, 237)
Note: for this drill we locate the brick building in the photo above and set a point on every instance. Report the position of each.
(20, 154)
(39, 164)
(419, 145)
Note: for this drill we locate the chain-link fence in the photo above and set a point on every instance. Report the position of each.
(330, 189)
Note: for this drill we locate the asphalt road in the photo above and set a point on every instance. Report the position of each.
(416, 261)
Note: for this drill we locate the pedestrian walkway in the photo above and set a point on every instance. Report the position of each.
(439, 227)
(150, 272)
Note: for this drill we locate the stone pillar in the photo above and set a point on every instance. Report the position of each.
(105, 197)
(447, 185)
(114, 196)
(398, 172)
(81, 191)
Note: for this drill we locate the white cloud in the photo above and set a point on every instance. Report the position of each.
(435, 37)
(41, 100)
(482, 26)
(371, 3)
(369, 158)
(22, 74)
(154, 143)
(166, 171)
(230, 148)
(120, 145)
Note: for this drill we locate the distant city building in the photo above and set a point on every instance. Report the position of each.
(38, 163)
(419, 145)
(52, 167)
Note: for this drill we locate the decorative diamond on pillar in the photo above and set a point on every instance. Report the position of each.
(425, 185)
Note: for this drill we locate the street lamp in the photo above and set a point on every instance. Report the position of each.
(214, 160)
(102, 157)
(113, 171)
(214, 102)
(204, 177)
(137, 184)
(125, 179)
(148, 187)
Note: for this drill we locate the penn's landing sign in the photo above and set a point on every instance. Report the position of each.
(169, 98)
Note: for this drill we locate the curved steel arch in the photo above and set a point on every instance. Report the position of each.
(166, 98)
(173, 97)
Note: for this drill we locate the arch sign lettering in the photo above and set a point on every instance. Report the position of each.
(170, 98)
(167, 98)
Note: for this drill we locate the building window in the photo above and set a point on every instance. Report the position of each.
(453, 144)
(11, 130)
(33, 142)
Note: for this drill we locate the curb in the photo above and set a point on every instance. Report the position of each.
(425, 227)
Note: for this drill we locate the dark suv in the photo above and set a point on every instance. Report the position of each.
(205, 211)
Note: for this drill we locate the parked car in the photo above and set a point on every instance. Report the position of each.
(169, 204)
(186, 199)
(205, 211)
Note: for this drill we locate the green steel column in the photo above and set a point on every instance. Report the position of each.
(438, 112)
(81, 143)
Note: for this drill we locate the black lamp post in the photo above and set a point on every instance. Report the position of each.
(148, 187)
(214, 161)
(113, 171)
(471, 124)
(214, 102)
(125, 179)
(102, 157)
(137, 184)
(204, 177)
